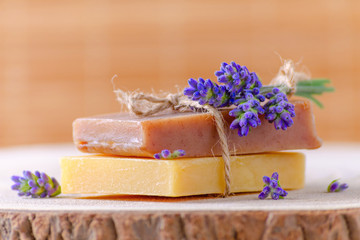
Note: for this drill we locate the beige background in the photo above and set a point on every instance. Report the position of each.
(57, 57)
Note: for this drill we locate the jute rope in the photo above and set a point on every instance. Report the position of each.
(288, 76)
(143, 105)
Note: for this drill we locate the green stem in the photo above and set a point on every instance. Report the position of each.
(304, 88)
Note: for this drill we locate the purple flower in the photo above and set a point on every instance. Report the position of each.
(266, 180)
(343, 186)
(278, 110)
(263, 195)
(275, 176)
(207, 92)
(36, 185)
(273, 183)
(272, 187)
(166, 154)
(238, 79)
(180, 152)
(335, 186)
(267, 190)
(275, 195)
(246, 115)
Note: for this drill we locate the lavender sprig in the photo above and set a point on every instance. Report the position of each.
(36, 185)
(272, 187)
(242, 88)
(166, 154)
(278, 109)
(238, 79)
(335, 186)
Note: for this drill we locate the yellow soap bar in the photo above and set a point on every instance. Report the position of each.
(101, 174)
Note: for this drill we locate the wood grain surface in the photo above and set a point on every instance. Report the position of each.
(264, 225)
(57, 58)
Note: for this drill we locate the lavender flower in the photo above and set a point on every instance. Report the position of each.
(36, 185)
(272, 187)
(207, 92)
(238, 79)
(166, 154)
(335, 186)
(279, 110)
(246, 115)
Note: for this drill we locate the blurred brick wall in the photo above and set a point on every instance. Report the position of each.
(57, 58)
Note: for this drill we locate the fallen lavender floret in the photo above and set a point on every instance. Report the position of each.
(166, 154)
(272, 187)
(36, 185)
(335, 186)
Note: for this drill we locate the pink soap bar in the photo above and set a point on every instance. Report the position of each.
(126, 135)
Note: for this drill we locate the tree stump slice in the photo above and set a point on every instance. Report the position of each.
(335, 224)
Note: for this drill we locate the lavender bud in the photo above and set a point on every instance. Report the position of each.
(180, 152)
(343, 186)
(42, 195)
(244, 131)
(34, 190)
(55, 182)
(51, 191)
(27, 174)
(275, 176)
(275, 196)
(16, 179)
(235, 124)
(263, 195)
(165, 153)
(41, 182)
(16, 186)
(273, 183)
(284, 193)
(266, 180)
(37, 174)
(267, 190)
(44, 177)
(334, 186)
(32, 183)
(48, 187)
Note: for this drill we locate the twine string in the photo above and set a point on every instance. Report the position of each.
(225, 153)
(288, 77)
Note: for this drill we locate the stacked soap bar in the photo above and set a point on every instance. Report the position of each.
(121, 134)
(131, 141)
(101, 174)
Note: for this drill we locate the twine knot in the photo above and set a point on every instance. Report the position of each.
(287, 77)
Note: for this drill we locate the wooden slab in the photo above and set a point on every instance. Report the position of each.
(336, 224)
(310, 213)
